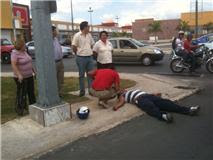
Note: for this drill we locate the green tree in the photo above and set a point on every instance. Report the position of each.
(184, 26)
(208, 27)
(121, 34)
(154, 28)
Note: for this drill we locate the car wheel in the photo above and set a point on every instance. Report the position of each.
(146, 60)
(5, 58)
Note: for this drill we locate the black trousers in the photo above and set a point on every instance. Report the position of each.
(25, 88)
(102, 66)
(155, 106)
(191, 59)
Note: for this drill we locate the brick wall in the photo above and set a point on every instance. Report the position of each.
(140, 29)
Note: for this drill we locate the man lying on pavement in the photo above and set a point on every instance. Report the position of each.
(153, 104)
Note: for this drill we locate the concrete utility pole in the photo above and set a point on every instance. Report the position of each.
(90, 13)
(196, 18)
(73, 32)
(49, 109)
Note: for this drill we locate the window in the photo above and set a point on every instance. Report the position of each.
(5, 42)
(125, 44)
(31, 44)
(114, 44)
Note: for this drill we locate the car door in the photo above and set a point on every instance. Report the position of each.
(115, 51)
(128, 52)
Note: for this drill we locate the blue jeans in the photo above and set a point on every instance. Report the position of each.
(85, 64)
(155, 106)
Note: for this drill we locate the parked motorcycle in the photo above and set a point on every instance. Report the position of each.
(203, 56)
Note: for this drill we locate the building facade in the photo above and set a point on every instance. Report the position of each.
(204, 18)
(17, 13)
(141, 26)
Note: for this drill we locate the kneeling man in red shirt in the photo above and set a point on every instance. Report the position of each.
(105, 86)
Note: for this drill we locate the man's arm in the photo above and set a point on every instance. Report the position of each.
(75, 43)
(74, 48)
(120, 103)
(92, 73)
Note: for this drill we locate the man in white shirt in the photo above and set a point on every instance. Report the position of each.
(82, 46)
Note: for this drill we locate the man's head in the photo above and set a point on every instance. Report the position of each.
(181, 34)
(189, 36)
(54, 31)
(121, 92)
(84, 27)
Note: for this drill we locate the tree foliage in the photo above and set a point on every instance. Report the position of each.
(183, 26)
(121, 34)
(154, 28)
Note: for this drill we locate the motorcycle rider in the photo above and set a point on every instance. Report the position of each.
(189, 48)
(179, 42)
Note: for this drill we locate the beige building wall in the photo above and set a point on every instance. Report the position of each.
(203, 18)
(5, 15)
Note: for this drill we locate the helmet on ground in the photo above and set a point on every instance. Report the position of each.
(83, 112)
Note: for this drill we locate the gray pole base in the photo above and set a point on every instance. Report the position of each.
(52, 115)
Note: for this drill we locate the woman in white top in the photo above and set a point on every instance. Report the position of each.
(103, 50)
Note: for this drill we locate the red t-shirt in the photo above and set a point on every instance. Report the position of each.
(104, 79)
(187, 46)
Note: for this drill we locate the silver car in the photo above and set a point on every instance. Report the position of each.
(130, 50)
(67, 51)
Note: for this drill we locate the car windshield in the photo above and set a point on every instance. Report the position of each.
(5, 42)
(138, 43)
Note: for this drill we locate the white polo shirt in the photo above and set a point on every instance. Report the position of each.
(83, 44)
(104, 51)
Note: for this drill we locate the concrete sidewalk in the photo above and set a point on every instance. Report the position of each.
(23, 138)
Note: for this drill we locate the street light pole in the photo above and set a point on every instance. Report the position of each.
(90, 12)
(117, 18)
(72, 21)
(196, 18)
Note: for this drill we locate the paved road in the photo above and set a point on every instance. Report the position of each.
(161, 67)
(188, 138)
(70, 65)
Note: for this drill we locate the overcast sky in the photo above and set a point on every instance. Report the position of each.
(126, 10)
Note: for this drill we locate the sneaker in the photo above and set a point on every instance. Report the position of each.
(194, 110)
(104, 105)
(167, 117)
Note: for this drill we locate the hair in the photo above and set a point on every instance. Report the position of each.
(19, 43)
(83, 25)
(53, 28)
(102, 33)
(189, 35)
(112, 66)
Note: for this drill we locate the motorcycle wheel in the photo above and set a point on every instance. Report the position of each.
(209, 66)
(174, 66)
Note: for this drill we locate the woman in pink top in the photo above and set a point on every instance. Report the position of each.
(23, 75)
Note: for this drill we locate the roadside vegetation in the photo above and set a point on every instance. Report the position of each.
(8, 95)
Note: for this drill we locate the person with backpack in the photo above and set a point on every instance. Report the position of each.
(177, 44)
